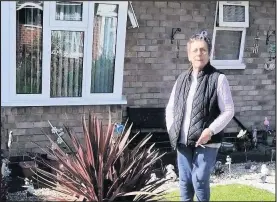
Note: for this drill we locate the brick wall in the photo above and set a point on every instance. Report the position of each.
(27, 122)
(152, 66)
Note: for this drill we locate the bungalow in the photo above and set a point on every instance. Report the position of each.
(62, 59)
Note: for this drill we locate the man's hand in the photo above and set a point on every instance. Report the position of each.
(204, 138)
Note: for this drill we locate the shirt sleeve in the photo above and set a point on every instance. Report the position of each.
(170, 109)
(225, 103)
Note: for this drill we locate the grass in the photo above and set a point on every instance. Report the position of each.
(231, 192)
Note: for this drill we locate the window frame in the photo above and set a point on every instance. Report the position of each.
(63, 23)
(227, 64)
(234, 24)
(8, 76)
(232, 63)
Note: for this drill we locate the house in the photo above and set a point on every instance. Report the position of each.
(61, 59)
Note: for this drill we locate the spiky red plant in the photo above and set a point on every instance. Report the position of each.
(104, 169)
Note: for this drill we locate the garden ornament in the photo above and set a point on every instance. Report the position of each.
(56, 131)
(228, 162)
(10, 140)
(5, 171)
(256, 44)
(270, 65)
(218, 169)
(253, 168)
(266, 122)
(264, 173)
(264, 170)
(255, 139)
(60, 141)
(241, 133)
(272, 152)
(170, 174)
(26, 181)
(30, 186)
(118, 129)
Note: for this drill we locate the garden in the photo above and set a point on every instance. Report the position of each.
(102, 167)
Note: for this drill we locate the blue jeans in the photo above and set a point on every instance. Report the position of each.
(195, 165)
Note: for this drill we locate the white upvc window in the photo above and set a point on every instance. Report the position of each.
(228, 47)
(234, 13)
(72, 55)
(228, 43)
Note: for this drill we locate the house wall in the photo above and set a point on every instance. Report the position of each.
(152, 66)
(27, 123)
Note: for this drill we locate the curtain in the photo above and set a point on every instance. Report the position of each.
(66, 63)
(69, 11)
(104, 45)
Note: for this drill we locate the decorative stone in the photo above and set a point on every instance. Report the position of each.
(253, 168)
(264, 170)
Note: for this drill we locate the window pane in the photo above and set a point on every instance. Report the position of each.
(233, 13)
(29, 46)
(104, 46)
(227, 45)
(67, 49)
(69, 10)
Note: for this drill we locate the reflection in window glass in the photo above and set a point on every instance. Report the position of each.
(67, 53)
(29, 21)
(227, 45)
(104, 47)
(233, 13)
(69, 10)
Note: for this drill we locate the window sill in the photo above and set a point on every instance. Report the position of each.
(229, 66)
(61, 102)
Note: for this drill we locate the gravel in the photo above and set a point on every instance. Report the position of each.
(238, 175)
(43, 194)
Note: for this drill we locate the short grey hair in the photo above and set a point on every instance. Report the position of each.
(203, 35)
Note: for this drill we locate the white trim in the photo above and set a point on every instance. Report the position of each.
(12, 94)
(29, 5)
(234, 24)
(5, 47)
(229, 66)
(120, 53)
(132, 16)
(64, 102)
(229, 63)
(46, 60)
(87, 71)
(120, 48)
(8, 61)
(216, 13)
(69, 24)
